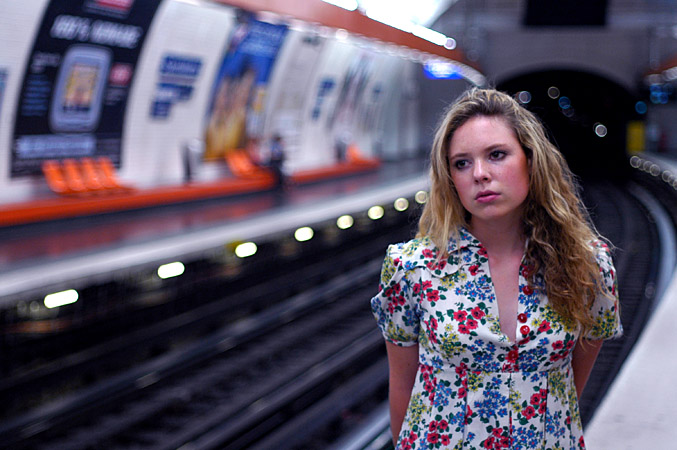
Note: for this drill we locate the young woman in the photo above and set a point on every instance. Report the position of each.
(494, 315)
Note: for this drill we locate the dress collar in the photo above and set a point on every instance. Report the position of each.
(465, 239)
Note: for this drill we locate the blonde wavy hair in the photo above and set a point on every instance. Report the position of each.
(555, 220)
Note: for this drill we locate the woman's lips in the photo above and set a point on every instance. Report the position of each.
(486, 197)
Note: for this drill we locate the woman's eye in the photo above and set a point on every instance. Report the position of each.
(497, 154)
(461, 163)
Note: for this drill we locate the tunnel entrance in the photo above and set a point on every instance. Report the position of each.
(586, 116)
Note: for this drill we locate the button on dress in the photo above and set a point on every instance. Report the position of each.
(475, 388)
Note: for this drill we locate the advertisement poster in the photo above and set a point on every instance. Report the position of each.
(77, 82)
(235, 116)
(287, 107)
(176, 79)
(350, 111)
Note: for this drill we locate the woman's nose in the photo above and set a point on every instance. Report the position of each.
(480, 171)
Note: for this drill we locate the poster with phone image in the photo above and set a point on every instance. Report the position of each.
(77, 81)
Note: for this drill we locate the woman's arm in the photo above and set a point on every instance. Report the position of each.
(403, 364)
(582, 361)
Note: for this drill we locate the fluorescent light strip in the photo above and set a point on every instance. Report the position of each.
(245, 249)
(304, 234)
(171, 270)
(350, 5)
(61, 298)
(429, 35)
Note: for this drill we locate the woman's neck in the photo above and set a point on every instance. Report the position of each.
(499, 237)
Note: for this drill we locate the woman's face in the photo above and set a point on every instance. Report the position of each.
(489, 169)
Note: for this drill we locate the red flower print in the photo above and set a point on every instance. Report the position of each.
(432, 323)
(528, 290)
(432, 426)
(488, 443)
(581, 443)
(542, 407)
(460, 316)
(482, 251)
(544, 326)
(535, 399)
(543, 393)
(433, 295)
(471, 324)
(413, 436)
(427, 253)
(462, 392)
(445, 440)
(426, 285)
(504, 442)
(463, 329)
(442, 425)
(529, 412)
(477, 313)
(416, 289)
(433, 438)
(558, 345)
(473, 269)
(527, 271)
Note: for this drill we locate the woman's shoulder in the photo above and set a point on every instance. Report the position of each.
(413, 253)
(419, 253)
(423, 247)
(602, 252)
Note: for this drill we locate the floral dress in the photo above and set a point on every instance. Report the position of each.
(475, 389)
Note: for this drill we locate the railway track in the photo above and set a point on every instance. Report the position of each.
(306, 370)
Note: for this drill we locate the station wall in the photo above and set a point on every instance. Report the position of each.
(326, 90)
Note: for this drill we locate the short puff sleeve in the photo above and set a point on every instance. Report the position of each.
(394, 308)
(605, 309)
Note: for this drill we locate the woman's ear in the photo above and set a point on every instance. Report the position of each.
(530, 156)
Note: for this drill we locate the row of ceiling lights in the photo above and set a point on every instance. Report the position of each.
(390, 14)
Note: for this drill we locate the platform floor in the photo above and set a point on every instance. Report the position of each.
(640, 408)
(68, 251)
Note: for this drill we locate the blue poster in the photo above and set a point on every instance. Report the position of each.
(236, 110)
(175, 84)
